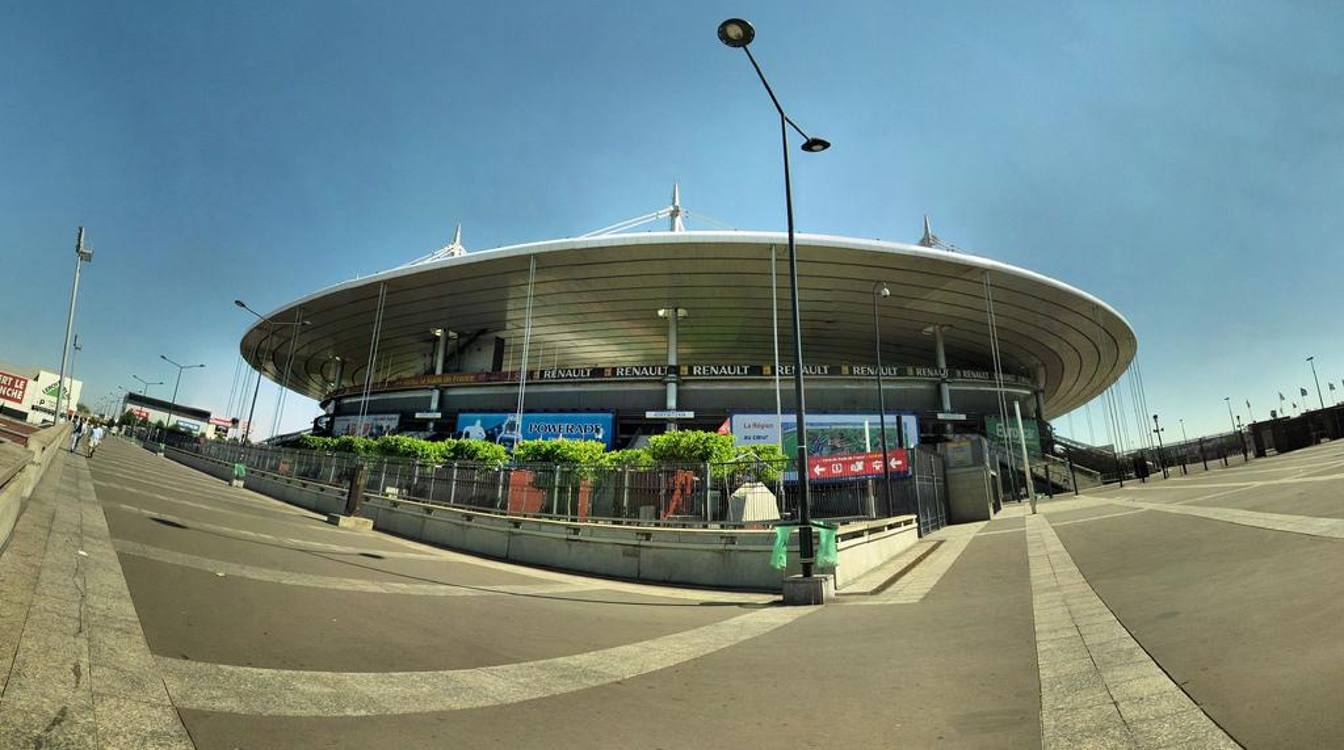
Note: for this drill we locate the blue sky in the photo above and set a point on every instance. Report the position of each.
(1183, 161)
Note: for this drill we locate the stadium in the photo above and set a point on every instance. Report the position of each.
(619, 335)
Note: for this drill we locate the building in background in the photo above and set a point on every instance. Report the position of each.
(29, 393)
(157, 411)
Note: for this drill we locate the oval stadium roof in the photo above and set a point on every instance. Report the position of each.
(596, 302)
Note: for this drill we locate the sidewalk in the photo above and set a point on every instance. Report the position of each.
(75, 671)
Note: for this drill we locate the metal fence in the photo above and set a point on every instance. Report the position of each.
(679, 495)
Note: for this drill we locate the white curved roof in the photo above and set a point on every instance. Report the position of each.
(596, 299)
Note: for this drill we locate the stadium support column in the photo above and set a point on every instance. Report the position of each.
(672, 314)
(440, 344)
(940, 361)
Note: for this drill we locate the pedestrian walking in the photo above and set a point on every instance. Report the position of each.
(95, 438)
(76, 432)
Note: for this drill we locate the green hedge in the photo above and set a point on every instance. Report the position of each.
(400, 446)
(682, 447)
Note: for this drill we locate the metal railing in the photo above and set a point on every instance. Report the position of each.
(699, 494)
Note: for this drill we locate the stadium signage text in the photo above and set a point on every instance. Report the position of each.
(661, 372)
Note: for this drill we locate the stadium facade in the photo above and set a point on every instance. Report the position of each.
(619, 335)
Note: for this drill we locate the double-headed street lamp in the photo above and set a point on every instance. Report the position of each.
(270, 328)
(738, 34)
(145, 384)
(881, 292)
(173, 404)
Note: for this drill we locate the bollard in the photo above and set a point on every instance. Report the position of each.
(1202, 455)
(355, 498)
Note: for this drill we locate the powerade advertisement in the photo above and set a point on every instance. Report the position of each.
(827, 434)
(502, 428)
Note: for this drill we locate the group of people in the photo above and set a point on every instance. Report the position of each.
(85, 426)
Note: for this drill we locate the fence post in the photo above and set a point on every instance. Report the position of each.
(708, 493)
(625, 492)
(1223, 445)
(919, 504)
(452, 486)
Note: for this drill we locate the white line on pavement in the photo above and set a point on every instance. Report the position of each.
(1332, 528)
(1099, 688)
(287, 692)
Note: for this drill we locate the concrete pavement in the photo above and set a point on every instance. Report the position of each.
(1114, 620)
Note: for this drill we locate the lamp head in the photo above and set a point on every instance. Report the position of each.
(240, 303)
(816, 145)
(885, 292)
(736, 32)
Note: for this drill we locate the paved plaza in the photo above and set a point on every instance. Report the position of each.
(146, 605)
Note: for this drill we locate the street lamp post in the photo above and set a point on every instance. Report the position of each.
(1235, 428)
(738, 34)
(1161, 461)
(82, 255)
(168, 423)
(1185, 447)
(270, 328)
(1312, 361)
(880, 291)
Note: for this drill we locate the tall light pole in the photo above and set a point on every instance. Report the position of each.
(880, 292)
(82, 255)
(1232, 420)
(1161, 460)
(173, 404)
(75, 349)
(1312, 361)
(738, 34)
(270, 328)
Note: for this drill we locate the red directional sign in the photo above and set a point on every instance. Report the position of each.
(856, 465)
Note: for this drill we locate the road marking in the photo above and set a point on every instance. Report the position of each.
(1330, 528)
(271, 575)
(257, 536)
(1099, 688)
(287, 692)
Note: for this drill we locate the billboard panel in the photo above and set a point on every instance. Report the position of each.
(44, 400)
(827, 434)
(373, 425)
(994, 428)
(502, 428)
(13, 387)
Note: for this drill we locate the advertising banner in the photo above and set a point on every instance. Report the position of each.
(502, 428)
(827, 434)
(13, 387)
(192, 427)
(994, 428)
(373, 425)
(45, 399)
(856, 465)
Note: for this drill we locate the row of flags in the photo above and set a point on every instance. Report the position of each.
(1301, 391)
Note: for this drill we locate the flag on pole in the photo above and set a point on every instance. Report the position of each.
(1332, 386)
(1280, 395)
(1303, 390)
